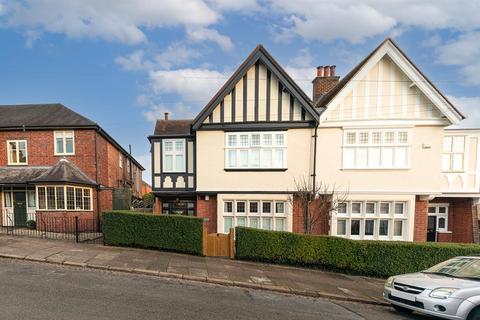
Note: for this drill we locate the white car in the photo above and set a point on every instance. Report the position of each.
(449, 290)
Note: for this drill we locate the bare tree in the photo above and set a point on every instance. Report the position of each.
(317, 202)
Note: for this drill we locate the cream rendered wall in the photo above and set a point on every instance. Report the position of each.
(422, 177)
(211, 175)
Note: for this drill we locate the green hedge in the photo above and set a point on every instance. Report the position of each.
(372, 258)
(174, 233)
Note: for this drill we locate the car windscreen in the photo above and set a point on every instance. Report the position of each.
(462, 267)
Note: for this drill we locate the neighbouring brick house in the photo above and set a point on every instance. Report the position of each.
(378, 134)
(55, 162)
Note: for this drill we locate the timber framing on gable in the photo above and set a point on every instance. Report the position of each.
(259, 94)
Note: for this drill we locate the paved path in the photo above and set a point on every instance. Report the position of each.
(298, 281)
(40, 291)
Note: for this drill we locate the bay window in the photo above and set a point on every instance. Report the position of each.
(256, 150)
(382, 220)
(267, 215)
(173, 155)
(376, 149)
(55, 198)
(453, 153)
(17, 152)
(64, 143)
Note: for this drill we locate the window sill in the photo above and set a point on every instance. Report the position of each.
(255, 169)
(17, 164)
(63, 154)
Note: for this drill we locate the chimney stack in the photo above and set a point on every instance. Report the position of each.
(324, 82)
(165, 115)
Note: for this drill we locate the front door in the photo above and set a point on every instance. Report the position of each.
(432, 228)
(19, 209)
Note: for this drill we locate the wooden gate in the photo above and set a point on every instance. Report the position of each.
(218, 244)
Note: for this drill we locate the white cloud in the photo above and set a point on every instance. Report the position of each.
(111, 20)
(201, 34)
(470, 107)
(192, 85)
(176, 111)
(235, 5)
(463, 52)
(134, 61)
(356, 21)
(176, 54)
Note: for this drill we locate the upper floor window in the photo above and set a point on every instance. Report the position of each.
(453, 153)
(376, 149)
(17, 152)
(120, 160)
(129, 166)
(173, 155)
(64, 143)
(256, 150)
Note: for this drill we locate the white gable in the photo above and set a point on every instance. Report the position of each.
(389, 87)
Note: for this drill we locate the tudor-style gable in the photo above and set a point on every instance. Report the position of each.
(386, 85)
(259, 94)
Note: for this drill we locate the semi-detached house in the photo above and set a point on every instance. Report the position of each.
(378, 134)
(57, 163)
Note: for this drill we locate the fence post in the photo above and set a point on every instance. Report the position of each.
(76, 229)
(204, 240)
(231, 243)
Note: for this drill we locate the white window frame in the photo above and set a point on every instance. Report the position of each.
(174, 155)
(369, 147)
(259, 215)
(65, 206)
(262, 149)
(450, 153)
(64, 153)
(9, 160)
(377, 216)
(120, 160)
(439, 215)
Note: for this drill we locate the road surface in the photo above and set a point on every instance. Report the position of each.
(31, 290)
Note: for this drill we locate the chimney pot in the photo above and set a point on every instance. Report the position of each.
(320, 71)
(332, 70)
(165, 115)
(326, 71)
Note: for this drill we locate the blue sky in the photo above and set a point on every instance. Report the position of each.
(123, 63)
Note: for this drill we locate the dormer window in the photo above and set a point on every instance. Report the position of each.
(64, 143)
(17, 152)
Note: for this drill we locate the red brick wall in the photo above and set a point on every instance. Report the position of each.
(460, 220)
(157, 207)
(322, 224)
(64, 221)
(444, 237)
(421, 220)
(208, 209)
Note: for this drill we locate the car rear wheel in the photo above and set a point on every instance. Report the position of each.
(474, 315)
(405, 310)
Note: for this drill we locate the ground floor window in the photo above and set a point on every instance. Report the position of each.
(383, 220)
(261, 214)
(60, 198)
(180, 207)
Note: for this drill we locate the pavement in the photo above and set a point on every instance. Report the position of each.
(226, 272)
(41, 291)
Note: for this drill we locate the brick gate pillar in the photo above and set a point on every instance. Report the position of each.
(421, 219)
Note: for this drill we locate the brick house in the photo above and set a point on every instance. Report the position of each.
(55, 162)
(377, 134)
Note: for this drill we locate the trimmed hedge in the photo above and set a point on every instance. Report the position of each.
(371, 258)
(173, 233)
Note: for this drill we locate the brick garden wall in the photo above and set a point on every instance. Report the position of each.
(208, 209)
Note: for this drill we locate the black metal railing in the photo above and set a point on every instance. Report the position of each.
(47, 226)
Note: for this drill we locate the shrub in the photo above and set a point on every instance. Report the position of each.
(372, 258)
(174, 233)
(31, 224)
